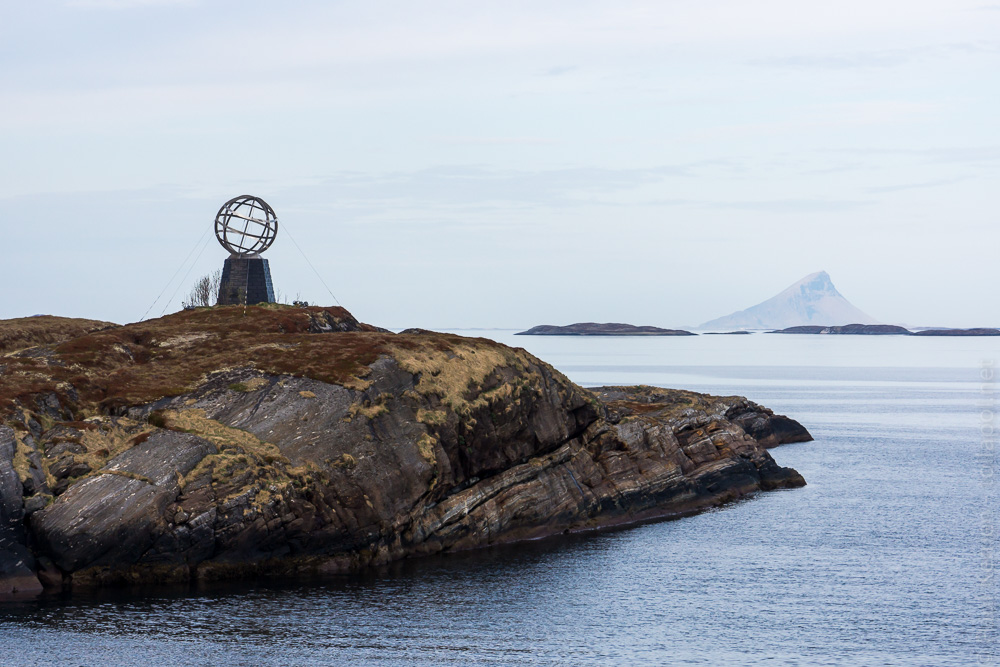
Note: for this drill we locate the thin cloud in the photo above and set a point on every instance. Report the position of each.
(124, 4)
(943, 155)
(560, 70)
(835, 62)
(882, 58)
(913, 186)
(480, 186)
(795, 205)
(496, 141)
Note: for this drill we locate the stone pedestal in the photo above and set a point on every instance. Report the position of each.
(246, 279)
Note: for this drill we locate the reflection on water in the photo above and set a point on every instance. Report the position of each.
(879, 560)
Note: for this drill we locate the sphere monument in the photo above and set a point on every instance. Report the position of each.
(246, 226)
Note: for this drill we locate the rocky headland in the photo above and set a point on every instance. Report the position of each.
(224, 443)
(598, 329)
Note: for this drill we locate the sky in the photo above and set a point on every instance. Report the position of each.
(505, 164)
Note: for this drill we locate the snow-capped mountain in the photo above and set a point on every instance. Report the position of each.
(812, 300)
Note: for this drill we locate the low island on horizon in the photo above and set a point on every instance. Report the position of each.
(601, 329)
(856, 329)
(885, 330)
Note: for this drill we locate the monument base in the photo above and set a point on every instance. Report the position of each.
(246, 280)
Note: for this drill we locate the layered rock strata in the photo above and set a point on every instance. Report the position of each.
(315, 444)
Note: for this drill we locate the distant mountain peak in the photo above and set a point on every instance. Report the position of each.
(812, 300)
(816, 283)
(820, 279)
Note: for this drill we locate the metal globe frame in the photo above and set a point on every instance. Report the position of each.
(246, 225)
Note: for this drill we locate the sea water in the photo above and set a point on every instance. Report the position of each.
(887, 556)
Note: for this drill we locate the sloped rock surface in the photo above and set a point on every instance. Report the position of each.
(116, 516)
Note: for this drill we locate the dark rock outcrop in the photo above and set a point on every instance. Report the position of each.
(116, 516)
(381, 447)
(17, 565)
(595, 329)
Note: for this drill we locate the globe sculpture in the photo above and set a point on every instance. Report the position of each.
(246, 226)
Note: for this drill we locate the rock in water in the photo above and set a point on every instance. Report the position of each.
(211, 445)
(811, 301)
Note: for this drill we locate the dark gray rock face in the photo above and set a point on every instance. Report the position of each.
(17, 565)
(767, 428)
(116, 517)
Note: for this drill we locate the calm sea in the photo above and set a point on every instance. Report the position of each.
(887, 557)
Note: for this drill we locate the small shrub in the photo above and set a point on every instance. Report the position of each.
(345, 461)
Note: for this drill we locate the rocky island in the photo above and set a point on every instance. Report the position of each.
(886, 330)
(596, 329)
(978, 331)
(223, 443)
(849, 329)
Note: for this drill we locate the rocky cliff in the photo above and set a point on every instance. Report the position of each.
(216, 444)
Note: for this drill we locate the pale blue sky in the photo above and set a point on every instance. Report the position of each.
(507, 164)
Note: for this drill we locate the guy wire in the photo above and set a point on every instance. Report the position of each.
(174, 276)
(285, 225)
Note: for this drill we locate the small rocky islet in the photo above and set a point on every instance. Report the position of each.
(885, 330)
(226, 443)
(601, 329)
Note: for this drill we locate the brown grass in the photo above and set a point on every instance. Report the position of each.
(426, 448)
(452, 366)
(25, 332)
(103, 371)
(140, 362)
